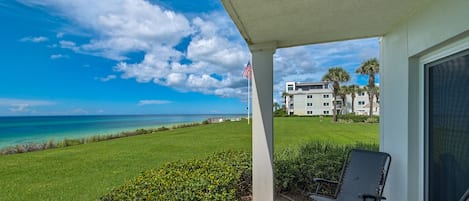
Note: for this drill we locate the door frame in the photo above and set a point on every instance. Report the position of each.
(436, 54)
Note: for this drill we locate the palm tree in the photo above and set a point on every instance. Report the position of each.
(284, 97)
(336, 75)
(276, 106)
(354, 90)
(377, 93)
(369, 67)
(343, 91)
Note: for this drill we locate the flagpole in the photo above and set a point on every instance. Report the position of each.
(247, 73)
(249, 86)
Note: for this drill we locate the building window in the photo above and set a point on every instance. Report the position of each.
(290, 88)
(309, 104)
(361, 94)
(325, 104)
(325, 112)
(309, 112)
(325, 96)
(361, 102)
(309, 96)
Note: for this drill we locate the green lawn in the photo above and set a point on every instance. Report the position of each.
(85, 172)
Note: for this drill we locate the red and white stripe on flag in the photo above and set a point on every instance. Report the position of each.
(247, 73)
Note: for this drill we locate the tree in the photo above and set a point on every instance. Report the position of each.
(369, 67)
(276, 106)
(284, 96)
(377, 93)
(354, 90)
(343, 91)
(336, 75)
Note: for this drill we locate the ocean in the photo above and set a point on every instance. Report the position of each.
(36, 129)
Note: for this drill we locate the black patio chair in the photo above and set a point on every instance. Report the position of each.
(363, 177)
(465, 197)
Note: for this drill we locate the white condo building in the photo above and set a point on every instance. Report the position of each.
(316, 98)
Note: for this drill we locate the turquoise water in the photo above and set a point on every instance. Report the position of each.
(28, 129)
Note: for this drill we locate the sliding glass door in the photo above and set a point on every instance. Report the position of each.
(447, 127)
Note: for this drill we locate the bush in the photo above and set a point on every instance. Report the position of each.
(296, 168)
(227, 175)
(280, 113)
(358, 118)
(222, 176)
(372, 120)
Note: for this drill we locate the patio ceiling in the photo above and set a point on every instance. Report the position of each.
(300, 22)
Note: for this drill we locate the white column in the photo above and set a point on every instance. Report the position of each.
(262, 123)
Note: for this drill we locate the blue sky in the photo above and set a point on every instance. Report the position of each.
(141, 57)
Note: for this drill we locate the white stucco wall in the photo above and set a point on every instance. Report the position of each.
(299, 104)
(432, 27)
(360, 109)
(301, 100)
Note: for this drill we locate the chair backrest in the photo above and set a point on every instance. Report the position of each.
(465, 197)
(364, 172)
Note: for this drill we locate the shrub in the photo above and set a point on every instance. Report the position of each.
(296, 168)
(280, 113)
(372, 120)
(222, 176)
(185, 125)
(345, 121)
(162, 129)
(358, 118)
(71, 142)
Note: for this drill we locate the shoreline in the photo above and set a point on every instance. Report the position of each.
(84, 134)
(38, 129)
(65, 142)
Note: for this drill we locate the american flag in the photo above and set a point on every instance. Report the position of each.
(247, 73)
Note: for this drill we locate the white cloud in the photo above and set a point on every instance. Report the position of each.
(215, 55)
(176, 79)
(215, 51)
(210, 52)
(120, 26)
(79, 111)
(310, 63)
(69, 45)
(19, 107)
(37, 39)
(22, 105)
(13, 101)
(60, 35)
(153, 102)
(58, 56)
(106, 79)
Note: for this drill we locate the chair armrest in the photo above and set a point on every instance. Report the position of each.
(374, 197)
(321, 180)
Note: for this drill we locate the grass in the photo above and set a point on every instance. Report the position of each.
(294, 130)
(85, 172)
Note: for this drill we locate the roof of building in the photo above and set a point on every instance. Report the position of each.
(310, 83)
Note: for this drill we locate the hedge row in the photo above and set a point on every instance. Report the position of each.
(227, 175)
(358, 118)
(296, 168)
(222, 176)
